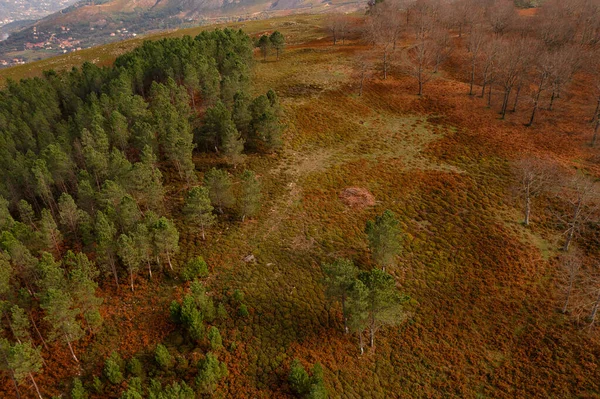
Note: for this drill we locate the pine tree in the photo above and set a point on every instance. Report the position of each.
(22, 360)
(339, 277)
(6, 273)
(112, 369)
(219, 131)
(298, 379)
(277, 41)
(194, 268)
(128, 213)
(68, 212)
(107, 245)
(62, 317)
(210, 372)
(49, 232)
(6, 219)
(43, 183)
(130, 256)
(250, 195)
(198, 209)
(218, 183)
(20, 324)
(357, 308)
(265, 127)
(26, 213)
(166, 239)
(82, 286)
(264, 44)
(383, 300)
(163, 357)
(78, 391)
(142, 239)
(146, 181)
(383, 239)
(214, 337)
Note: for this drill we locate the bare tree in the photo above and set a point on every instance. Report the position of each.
(419, 61)
(533, 179)
(512, 60)
(501, 16)
(588, 21)
(554, 24)
(564, 64)
(365, 65)
(442, 46)
(593, 68)
(569, 273)
(542, 67)
(581, 195)
(475, 45)
(489, 67)
(337, 25)
(382, 32)
(465, 14)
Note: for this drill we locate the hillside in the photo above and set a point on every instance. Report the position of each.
(92, 23)
(484, 317)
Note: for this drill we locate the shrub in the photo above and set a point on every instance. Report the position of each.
(134, 367)
(243, 311)
(112, 369)
(298, 379)
(210, 372)
(97, 385)
(78, 391)
(238, 296)
(222, 312)
(214, 336)
(163, 357)
(194, 268)
(134, 389)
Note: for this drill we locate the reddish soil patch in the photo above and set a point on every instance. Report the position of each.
(356, 197)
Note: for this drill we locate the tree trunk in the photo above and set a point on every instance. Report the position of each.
(596, 111)
(420, 87)
(203, 232)
(113, 266)
(489, 102)
(169, 260)
(570, 234)
(594, 310)
(516, 99)
(566, 305)
(17, 392)
(372, 337)
(595, 136)
(552, 100)
(131, 280)
(37, 390)
(472, 79)
(38, 332)
(361, 344)
(71, 349)
(505, 103)
(362, 82)
(385, 65)
(527, 209)
(149, 268)
(344, 315)
(483, 84)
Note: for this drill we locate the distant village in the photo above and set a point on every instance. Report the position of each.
(59, 41)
